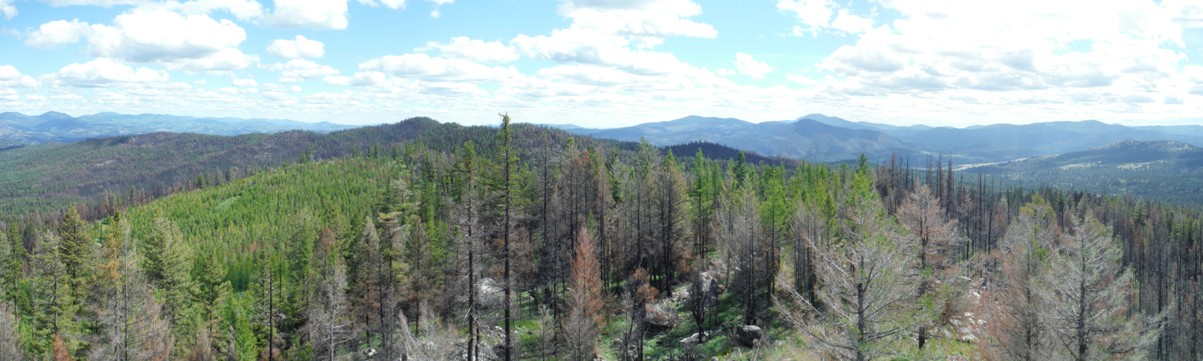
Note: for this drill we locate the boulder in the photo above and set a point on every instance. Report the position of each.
(662, 316)
(695, 339)
(711, 284)
(489, 294)
(748, 335)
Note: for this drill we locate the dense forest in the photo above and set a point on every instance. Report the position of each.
(523, 243)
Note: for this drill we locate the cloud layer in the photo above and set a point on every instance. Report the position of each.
(616, 62)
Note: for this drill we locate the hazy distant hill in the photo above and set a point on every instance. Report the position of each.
(46, 177)
(800, 139)
(821, 137)
(17, 128)
(1165, 170)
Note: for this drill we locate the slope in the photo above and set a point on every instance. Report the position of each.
(801, 139)
(1163, 170)
(18, 129)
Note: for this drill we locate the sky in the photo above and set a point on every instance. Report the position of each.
(609, 63)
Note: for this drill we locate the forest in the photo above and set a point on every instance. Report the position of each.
(524, 243)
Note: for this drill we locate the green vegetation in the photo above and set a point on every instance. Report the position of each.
(429, 248)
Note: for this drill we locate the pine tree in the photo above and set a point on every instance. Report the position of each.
(169, 268)
(467, 216)
(10, 340)
(51, 298)
(1085, 293)
(366, 289)
(585, 305)
(1014, 327)
(922, 215)
(741, 235)
(867, 297)
(77, 250)
(327, 326)
(776, 211)
(508, 160)
(10, 266)
(266, 292)
(670, 204)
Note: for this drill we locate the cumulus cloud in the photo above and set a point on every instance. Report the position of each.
(297, 70)
(7, 9)
(103, 71)
(154, 34)
(654, 18)
(299, 47)
(315, 14)
(620, 34)
(224, 60)
(244, 10)
(57, 32)
(423, 66)
(1066, 44)
(147, 35)
(103, 3)
(1189, 13)
(10, 77)
(391, 4)
(818, 15)
(437, 4)
(754, 69)
(245, 82)
(474, 50)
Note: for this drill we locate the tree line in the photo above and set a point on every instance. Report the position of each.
(530, 244)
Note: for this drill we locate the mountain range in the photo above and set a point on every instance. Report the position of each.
(20, 129)
(819, 137)
(1166, 170)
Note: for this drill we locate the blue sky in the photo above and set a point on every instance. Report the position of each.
(607, 63)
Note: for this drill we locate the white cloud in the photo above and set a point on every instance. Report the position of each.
(654, 18)
(245, 83)
(813, 14)
(224, 60)
(851, 23)
(102, 3)
(150, 35)
(316, 14)
(426, 67)
(751, 67)
(244, 10)
(339, 80)
(296, 70)
(57, 32)
(8, 9)
(437, 4)
(391, 4)
(1189, 13)
(104, 71)
(299, 47)
(474, 50)
(1063, 44)
(10, 77)
(819, 15)
(154, 34)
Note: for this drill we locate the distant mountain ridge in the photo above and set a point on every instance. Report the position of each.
(819, 137)
(21, 129)
(799, 139)
(1167, 170)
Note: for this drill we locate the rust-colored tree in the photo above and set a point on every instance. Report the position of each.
(585, 315)
(922, 215)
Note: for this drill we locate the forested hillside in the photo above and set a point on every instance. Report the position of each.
(1166, 171)
(522, 243)
(111, 173)
(19, 129)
